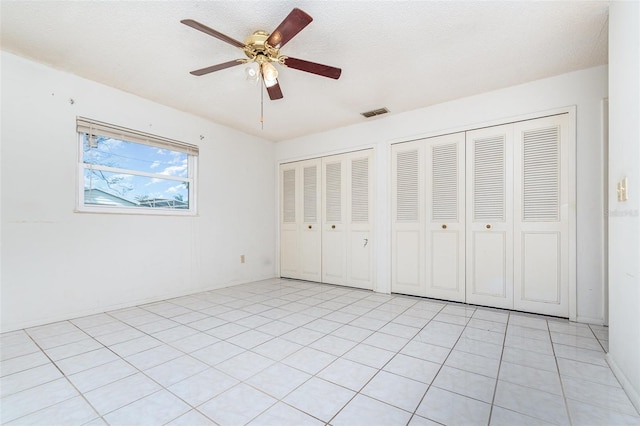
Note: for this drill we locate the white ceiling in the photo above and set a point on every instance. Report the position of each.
(401, 55)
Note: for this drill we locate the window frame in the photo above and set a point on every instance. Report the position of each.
(88, 126)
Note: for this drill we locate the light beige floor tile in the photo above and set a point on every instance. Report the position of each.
(22, 363)
(101, 375)
(120, 393)
(546, 381)
(309, 360)
(349, 374)
(370, 355)
(473, 363)
(503, 417)
(319, 398)
(27, 379)
(237, 406)
(413, 368)
(530, 401)
(282, 414)
(155, 409)
(34, 399)
(395, 390)
(74, 411)
(450, 408)
(176, 370)
(278, 380)
(192, 418)
(586, 414)
(365, 411)
(244, 365)
(465, 383)
(203, 386)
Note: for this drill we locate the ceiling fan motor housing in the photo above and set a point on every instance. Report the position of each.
(258, 50)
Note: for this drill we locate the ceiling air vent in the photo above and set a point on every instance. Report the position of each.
(374, 112)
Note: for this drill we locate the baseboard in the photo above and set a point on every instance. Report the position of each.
(633, 395)
(588, 320)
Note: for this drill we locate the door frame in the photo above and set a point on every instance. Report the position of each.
(571, 110)
(375, 149)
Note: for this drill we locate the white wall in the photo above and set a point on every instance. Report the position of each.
(585, 89)
(57, 264)
(624, 217)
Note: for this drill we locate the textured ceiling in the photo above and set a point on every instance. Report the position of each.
(401, 55)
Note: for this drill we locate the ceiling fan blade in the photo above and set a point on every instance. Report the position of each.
(312, 67)
(292, 25)
(274, 91)
(218, 67)
(201, 27)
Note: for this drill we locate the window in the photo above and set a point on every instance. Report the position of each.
(126, 171)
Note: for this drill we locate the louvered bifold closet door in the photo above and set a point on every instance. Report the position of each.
(408, 256)
(489, 199)
(309, 207)
(359, 219)
(541, 244)
(334, 236)
(445, 211)
(290, 223)
(347, 217)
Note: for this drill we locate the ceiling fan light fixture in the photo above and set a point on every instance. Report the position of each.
(252, 74)
(269, 74)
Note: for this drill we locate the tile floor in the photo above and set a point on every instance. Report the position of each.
(281, 352)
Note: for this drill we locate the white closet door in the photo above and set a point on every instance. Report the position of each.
(541, 244)
(445, 225)
(289, 226)
(359, 214)
(309, 206)
(346, 225)
(489, 244)
(408, 224)
(334, 234)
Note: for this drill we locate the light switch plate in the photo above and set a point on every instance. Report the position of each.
(622, 190)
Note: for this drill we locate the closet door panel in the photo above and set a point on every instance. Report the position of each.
(289, 261)
(309, 206)
(541, 184)
(489, 280)
(540, 274)
(359, 204)
(408, 262)
(489, 244)
(446, 278)
(333, 226)
(360, 273)
(333, 261)
(289, 226)
(408, 255)
(445, 225)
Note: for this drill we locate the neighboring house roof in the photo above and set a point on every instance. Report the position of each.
(103, 198)
(162, 202)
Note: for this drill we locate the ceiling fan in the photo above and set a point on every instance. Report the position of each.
(264, 49)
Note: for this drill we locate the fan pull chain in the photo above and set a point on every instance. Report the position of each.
(261, 106)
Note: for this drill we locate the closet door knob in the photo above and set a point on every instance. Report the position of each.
(488, 226)
(444, 226)
(310, 226)
(333, 227)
